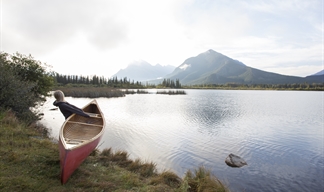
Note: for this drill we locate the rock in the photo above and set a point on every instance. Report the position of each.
(235, 161)
(53, 109)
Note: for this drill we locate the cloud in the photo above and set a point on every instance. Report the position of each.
(43, 26)
(107, 34)
(110, 34)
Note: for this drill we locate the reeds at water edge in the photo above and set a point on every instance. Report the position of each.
(172, 92)
(96, 92)
(92, 92)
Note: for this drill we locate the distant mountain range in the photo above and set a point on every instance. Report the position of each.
(211, 67)
(143, 71)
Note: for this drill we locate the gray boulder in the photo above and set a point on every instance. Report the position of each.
(235, 161)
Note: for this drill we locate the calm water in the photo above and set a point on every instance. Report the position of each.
(279, 133)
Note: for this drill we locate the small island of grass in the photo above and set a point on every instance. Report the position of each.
(172, 92)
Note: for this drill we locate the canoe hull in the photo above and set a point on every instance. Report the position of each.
(70, 160)
(78, 137)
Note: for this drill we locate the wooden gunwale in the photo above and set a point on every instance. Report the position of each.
(87, 124)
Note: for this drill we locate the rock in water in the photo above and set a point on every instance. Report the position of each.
(234, 161)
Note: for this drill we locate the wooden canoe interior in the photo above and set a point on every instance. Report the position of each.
(79, 129)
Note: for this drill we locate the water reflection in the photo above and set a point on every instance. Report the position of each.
(278, 133)
(210, 113)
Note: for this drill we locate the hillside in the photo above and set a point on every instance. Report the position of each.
(212, 67)
(318, 73)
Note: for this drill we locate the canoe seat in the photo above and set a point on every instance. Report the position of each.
(74, 141)
(94, 119)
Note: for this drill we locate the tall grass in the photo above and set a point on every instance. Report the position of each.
(172, 92)
(203, 180)
(92, 92)
(139, 91)
(96, 92)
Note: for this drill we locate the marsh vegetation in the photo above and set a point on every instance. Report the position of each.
(171, 92)
(107, 92)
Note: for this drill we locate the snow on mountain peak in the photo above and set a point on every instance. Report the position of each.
(184, 66)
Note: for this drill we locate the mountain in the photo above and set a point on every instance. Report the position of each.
(318, 73)
(212, 67)
(317, 77)
(143, 71)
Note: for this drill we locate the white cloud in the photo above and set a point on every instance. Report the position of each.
(109, 35)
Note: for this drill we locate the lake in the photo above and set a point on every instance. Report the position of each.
(280, 134)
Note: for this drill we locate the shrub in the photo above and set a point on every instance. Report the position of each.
(23, 84)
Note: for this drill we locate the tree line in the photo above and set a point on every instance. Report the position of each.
(96, 80)
(112, 82)
(293, 86)
(171, 83)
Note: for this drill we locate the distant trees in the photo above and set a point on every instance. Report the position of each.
(96, 81)
(111, 82)
(24, 83)
(294, 86)
(169, 83)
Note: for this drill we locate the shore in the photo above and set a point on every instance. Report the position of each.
(29, 161)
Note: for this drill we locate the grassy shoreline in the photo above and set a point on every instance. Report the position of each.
(29, 161)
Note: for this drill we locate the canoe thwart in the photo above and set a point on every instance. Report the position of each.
(93, 114)
(74, 141)
(89, 123)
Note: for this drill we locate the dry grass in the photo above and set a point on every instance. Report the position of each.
(202, 180)
(92, 92)
(96, 92)
(172, 92)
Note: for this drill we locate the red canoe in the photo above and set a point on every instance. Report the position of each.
(79, 136)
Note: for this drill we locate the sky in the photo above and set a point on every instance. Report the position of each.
(100, 37)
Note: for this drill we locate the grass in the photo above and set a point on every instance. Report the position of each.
(96, 92)
(139, 91)
(29, 161)
(172, 92)
(203, 180)
(92, 92)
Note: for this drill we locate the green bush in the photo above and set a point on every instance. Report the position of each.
(24, 83)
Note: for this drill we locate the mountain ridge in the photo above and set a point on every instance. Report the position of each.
(143, 71)
(211, 67)
(318, 73)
